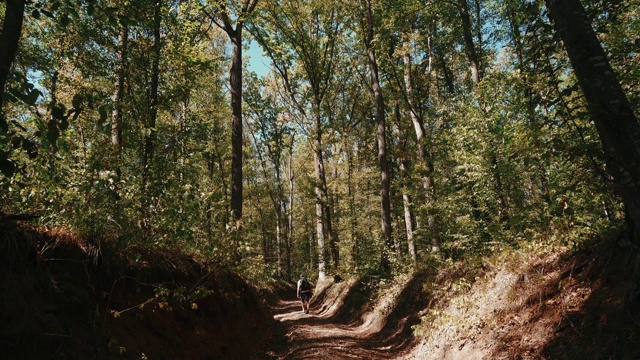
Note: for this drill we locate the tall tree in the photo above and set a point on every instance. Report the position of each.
(270, 130)
(610, 109)
(368, 26)
(422, 141)
(311, 31)
(150, 134)
(118, 101)
(472, 49)
(9, 38)
(222, 18)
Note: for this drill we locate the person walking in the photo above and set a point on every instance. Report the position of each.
(304, 292)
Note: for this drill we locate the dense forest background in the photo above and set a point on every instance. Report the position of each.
(388, 135)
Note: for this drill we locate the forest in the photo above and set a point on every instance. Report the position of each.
(391, 143)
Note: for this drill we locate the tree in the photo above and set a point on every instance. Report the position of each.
(385, 179)
(311, 31)
(473, 51)
(610, 109)
(118, 102)
(9, 38)
(422, 142)
(221, 16)
(271, 131)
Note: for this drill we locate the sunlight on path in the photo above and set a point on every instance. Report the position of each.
(313, 336)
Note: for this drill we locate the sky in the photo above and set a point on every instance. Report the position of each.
(257, 62)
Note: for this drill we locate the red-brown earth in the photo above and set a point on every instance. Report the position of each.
(65, 298)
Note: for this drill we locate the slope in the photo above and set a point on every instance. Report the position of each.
(67, 298)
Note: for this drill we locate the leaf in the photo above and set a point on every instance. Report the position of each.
(64, 20)
(58, 112)
(74, 13)
(64, 124)
(16, 141)
(27, 144)
(90, 101)
(77, 101)
(7, 167)
(3, 124)
(76, 114)
(31, 97)
(102, 110)
(53, 133)
(12, 95)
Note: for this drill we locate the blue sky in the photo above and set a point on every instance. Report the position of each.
(257, 63)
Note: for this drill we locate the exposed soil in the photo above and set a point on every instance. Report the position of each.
(560, 303)
(554, 304)
(65, 298)
(344, 324)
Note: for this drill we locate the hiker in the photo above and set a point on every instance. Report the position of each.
(304, 292)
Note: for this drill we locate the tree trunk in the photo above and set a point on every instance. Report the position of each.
(9, 39)
(312, 250)
(331, 235)
(53, 91)
(118, 93)
(290, 220)
(235, 83)
(332, 214)
(409, 219)
(281, 224)
(467, 32)
(385, 203)
(610, 109)
(319, 169)
(423, 152)
(153, 103)
(116, 115)
(352, 208)
(409, 224)
(279, 242)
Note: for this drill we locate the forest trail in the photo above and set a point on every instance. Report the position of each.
(318, 336)
(335, 330)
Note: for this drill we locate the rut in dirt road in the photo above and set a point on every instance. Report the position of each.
(336, 329)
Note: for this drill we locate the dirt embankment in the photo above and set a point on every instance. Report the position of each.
(531, 303)
(537, 303)
(62, 298)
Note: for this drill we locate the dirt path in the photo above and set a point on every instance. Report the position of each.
(320, 335)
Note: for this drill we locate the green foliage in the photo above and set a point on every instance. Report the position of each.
(181, 295)
(514, 159)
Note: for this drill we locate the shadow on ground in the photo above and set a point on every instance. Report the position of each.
(585, 310)
(337, 327)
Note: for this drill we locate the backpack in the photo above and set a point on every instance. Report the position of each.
(305, 285)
